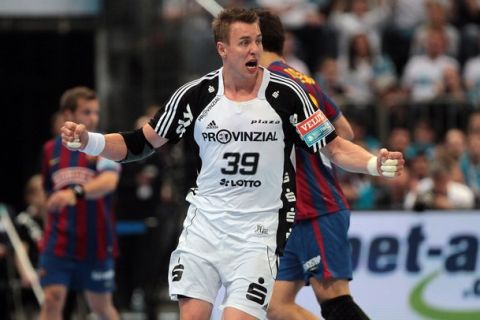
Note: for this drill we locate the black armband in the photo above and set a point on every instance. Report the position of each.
(137, 146)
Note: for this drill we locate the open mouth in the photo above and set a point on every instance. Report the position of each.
(252, 64)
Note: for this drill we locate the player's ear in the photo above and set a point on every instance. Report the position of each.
(221, 49)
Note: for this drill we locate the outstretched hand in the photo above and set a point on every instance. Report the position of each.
(390, 163)
(74, 135)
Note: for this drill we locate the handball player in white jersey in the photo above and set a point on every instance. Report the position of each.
(242, 120)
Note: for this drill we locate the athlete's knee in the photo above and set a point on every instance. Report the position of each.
(276, 309)
(342, 307)
(194, 309)
(53, 301)
(329, 289)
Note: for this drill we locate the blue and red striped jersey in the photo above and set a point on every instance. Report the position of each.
(317, 189)
(85, 231)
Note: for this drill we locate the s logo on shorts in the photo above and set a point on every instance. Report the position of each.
(177, 272)
(256, 292)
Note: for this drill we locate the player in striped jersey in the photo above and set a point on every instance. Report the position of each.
(79, 242)
(242, 121)
(317, 252)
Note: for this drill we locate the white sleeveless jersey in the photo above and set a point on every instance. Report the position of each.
(241, 145)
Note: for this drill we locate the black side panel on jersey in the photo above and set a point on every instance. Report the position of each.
(286, 215)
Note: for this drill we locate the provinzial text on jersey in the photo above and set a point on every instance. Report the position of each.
(225, 136)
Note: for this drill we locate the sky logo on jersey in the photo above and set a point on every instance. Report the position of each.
(314, 128)
(185, 122)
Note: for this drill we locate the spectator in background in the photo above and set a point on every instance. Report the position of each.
(354, 16)
(423, 139)
(465, 15)
(308, 21)
(29, 225)
(473, 125)
(423, 76)
(454, 93)
(470, 165)
(437, 18)
(397, 38)
(328, 79)
(452, 150)
(439, 192)
(471, 78)
(366, 73)
(418, 168)
(290, 48)
(79, 245)
(400, 139)
(362, 137)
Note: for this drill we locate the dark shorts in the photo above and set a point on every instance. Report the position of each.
(95, 276)
(318, 248)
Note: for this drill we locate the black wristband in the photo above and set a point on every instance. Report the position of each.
(78, 190)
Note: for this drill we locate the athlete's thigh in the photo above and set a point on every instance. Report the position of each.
(327, 249)
(56, 271)
(192, 270)
(284, 292)
(248, 278)
(96, 276)
(291, 268)
(193, 276)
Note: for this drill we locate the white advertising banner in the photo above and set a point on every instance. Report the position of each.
(26, 8)
(410, 266)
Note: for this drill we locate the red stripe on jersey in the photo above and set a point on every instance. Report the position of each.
(319, 238)
(81, 218)
(62, 233)
(101, 240)
(81, 229)
(303, 194)
(47, 233)
(62, 224)
(340, 191)
(322, 183)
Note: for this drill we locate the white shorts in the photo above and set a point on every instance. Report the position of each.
(207, 257)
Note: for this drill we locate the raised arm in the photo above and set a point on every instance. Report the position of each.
(124, 146)
(354, 158)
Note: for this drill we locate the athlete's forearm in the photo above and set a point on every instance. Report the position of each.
(348, 156)
(115, 147)
(104, 183)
